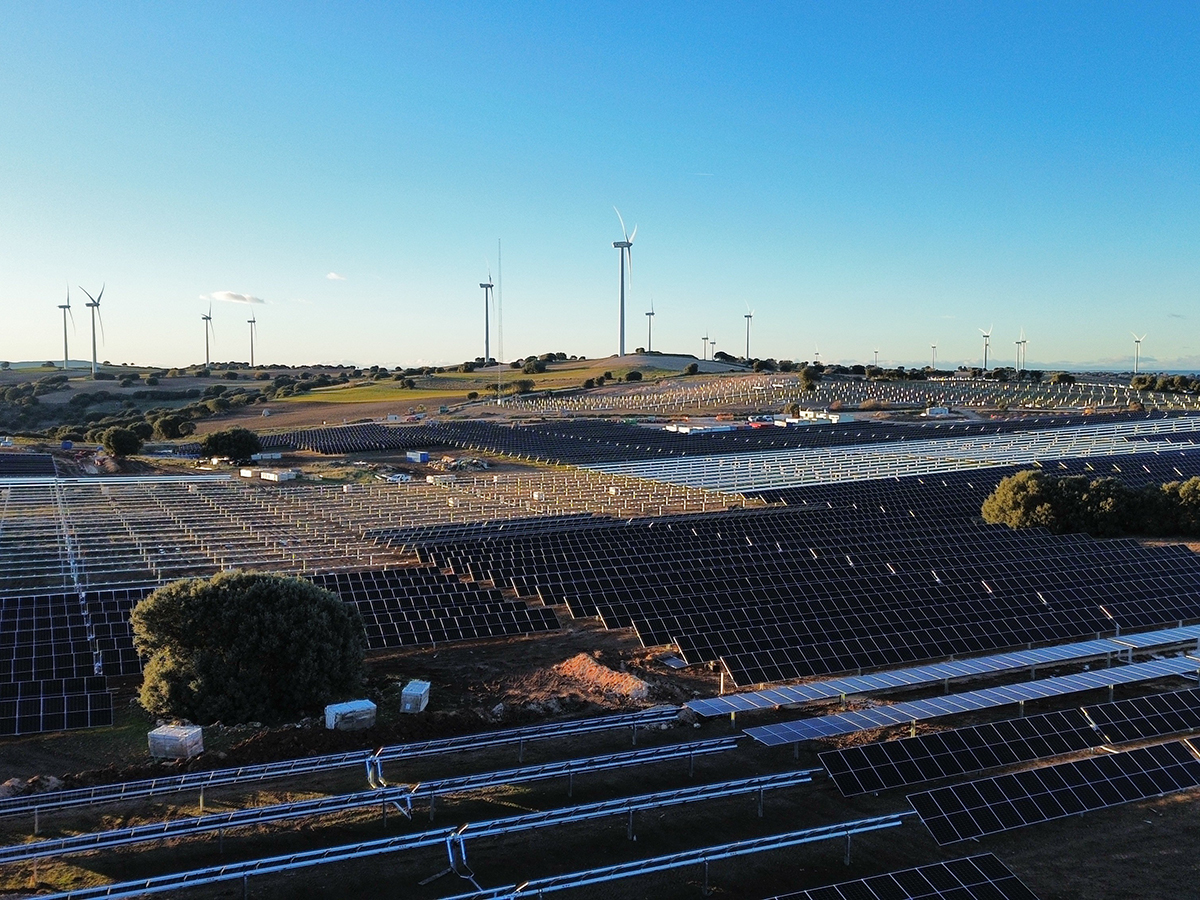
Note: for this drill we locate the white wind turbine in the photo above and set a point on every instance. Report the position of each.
(987, 343)
(749, 317)
(488, 294)
(1137, 349)
(66, 308)
(253, 323)
(650, 327)
(625, 252)
(94, 306)
(208, 327)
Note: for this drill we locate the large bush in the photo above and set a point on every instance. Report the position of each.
(236, 443)
(240, 647)
(121, 442)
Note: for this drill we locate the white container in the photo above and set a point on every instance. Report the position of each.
(415, 696)
(248, 473)
(440, 479)
(176, 741)
(353, 715)
(279, 475)
(417, 456)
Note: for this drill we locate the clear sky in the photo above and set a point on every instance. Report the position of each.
(862, 175)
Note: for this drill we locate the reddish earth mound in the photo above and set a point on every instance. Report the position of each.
(601, 679)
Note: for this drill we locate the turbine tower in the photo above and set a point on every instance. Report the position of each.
(208, 326)
(253, 323)
(748, 317)
(877, 357)
(488, 294)
(705, 339)
(66, 308)
(94, 306)
(933, 365)
(650, 327)
(987, 343)
(625, 252)
(1137, 348)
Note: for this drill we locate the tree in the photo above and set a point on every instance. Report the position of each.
(235, 443)
(243, 646)
(634, 375)
(691, 368)
(1022, 500)
(120, 442)
(170, 427)
(1062, 378)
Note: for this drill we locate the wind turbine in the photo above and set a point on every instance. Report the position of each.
(488, 294)
(94, 306)
(66, 308)
(933, 365)
(253, 323)
(987, 342)
(625, 252)
(877, 357)
(748, 317)
(1137, 348)
(208, 326)
(705, 339)
(650, 327)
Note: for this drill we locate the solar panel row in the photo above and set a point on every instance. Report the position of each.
(982, 877)
(993, 805)
(928, 757)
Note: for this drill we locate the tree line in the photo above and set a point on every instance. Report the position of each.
(1101, 507)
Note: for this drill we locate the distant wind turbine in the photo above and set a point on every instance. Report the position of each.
(66, 308)
(933, 365)
(705, 339)
(488, 294)
(208, 326)
(650, 327)
(877, 357)
(749, 317)
(625, 252)
(253, 323)
(94, 306)
(1137, 348)
(987, 342)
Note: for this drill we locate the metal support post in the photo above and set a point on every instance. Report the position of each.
(1020, 709)
(36, 824)
(691, 764)
(521, 750)
(635, 734)
(760, 802)
(629, 832)
(847, 849)
(570, 784)
(201, 801)
(733, 720)
(705, 889)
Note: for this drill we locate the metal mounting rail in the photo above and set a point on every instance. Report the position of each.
(702, 856)
(131, 790)
(242, 871)
(572, 767)
(200, 825)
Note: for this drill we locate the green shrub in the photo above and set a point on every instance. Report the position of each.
(241, 646)
(120, 442)
(235, 443)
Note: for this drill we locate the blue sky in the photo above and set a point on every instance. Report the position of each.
(862, 175)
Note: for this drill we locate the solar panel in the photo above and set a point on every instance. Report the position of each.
(986, 698)
(925, 675)
(927, 757)
(993, 805)
(1142, 717)
(982, 877)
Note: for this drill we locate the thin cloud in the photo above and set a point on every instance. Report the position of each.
(232, 297)
(334, 276)
(1176, 316)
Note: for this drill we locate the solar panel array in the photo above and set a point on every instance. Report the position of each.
(419, 605)
(982, 877)
(954, 704)
(48, 676)
(944, 672)
(993, 805)
(791, 593)
(26, 465)
(976, 748)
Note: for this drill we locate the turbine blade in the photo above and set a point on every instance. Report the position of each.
(72, 317)
(101, 294)
(624, 233)
(89, 296)
(629, 258)
(632, 236)
(101, 319)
